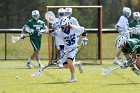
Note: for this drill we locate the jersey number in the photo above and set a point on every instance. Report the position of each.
(70, 41)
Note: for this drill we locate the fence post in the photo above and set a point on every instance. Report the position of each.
(5, 46)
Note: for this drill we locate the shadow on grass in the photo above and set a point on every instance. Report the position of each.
(125, 84)
(52, 83)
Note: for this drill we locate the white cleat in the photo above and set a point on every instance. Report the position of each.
(115, 62)
(29, 65)
(80, 67)
(60, 65)
(71, 80)
(41, 66)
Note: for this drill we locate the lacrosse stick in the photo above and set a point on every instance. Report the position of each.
(40, 71)
(15, 39)
(50, 17)
(108, 71)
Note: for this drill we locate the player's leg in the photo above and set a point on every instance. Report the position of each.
(79, 65)
(61, 53)
(116, 57)
(72, 70)
(33, 55)
(38, 45)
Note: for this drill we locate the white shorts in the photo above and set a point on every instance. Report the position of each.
(69, 54)
(126, 35)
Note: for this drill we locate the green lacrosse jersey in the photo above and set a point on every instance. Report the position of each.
(134, 23)
(35, 36)
(131, 46)
(36, 26)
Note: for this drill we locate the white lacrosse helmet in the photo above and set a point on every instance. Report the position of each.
(61, 12)
(35, 14)
(120, 41)
(136, 16)
(126, 12)
(64, 23)
(68, 11)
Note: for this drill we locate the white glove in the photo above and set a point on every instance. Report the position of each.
(134, 30)
(84, 41)
(22, 36)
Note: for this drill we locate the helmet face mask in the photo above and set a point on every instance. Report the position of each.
(35, 14)
(136, 16)
(68, 12)
(64, 23)
(126, 12)
(61, 12)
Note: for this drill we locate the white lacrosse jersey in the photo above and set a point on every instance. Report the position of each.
(74, 21)
(58, 40)
(70, 37)
(123, 26)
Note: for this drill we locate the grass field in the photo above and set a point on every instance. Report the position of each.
(54, 80)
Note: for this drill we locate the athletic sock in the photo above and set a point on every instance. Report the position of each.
(72, 76)
(39, 62)
(29, 60)
(116, 58)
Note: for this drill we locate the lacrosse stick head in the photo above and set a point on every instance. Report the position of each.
(50, 17)
(106, 72)
(15, 39)
(38, 73)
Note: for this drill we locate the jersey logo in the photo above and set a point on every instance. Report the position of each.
(70, 40)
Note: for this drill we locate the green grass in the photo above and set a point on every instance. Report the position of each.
(54, 80)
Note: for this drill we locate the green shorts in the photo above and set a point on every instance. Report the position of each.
(36, 42)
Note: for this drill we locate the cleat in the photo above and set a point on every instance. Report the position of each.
(115, 61)
(41, 66)
(60, 65)
(71, 80)
(29, 65)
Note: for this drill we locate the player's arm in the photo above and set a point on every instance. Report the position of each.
(44, 29)
(84, 38)
(25, 29)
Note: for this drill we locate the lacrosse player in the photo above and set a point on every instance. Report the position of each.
(35, 28)
(131, 49)
(58, 41)
(122, 27)
(72, 20)
(69, 35)
(135, 25)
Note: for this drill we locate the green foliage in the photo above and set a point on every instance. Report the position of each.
(14, 13)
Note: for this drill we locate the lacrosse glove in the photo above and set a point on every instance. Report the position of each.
(127, 63)
(62, 53)
(22, 36)
(84, 41)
